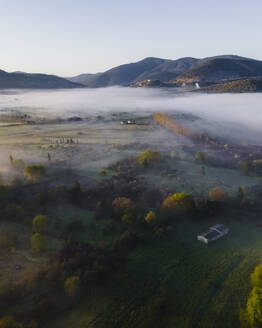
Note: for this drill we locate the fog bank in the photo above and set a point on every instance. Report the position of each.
(232, 111)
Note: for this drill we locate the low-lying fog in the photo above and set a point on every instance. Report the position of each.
(238, 115)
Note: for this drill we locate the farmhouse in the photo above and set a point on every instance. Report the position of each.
(125, 122)
(213, 233)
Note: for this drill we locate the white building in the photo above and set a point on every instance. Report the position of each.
(213, 233)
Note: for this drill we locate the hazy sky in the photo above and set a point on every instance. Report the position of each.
(69, 37)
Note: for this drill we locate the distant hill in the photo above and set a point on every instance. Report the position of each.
(169, 69)
(185, 70)
(147, 69)
(124, 74)
(34, 81)
(239, 86)
(82, 78)
(180, 72)
(220, 69)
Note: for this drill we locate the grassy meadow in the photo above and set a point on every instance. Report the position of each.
(192, 283)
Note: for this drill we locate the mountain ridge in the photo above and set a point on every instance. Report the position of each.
(168, 70)
(21, 80)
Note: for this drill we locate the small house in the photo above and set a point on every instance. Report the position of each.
(213, 233)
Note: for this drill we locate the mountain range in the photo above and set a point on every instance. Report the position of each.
(185, 71)
(21, 80)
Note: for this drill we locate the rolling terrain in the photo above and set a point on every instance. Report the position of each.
(33, 81)
(221, 69)
(183, 71)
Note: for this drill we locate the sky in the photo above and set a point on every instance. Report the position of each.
(70, 37)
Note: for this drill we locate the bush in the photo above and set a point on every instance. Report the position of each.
(38, 243)
(200, 157)
(217, 195)
(123, 205)
(150, 217)
(127, 218)
(178, 203)
(246, 167)
(34, 172)
(252, 315)
(126, 240)
(71, 286)
(40, 223)
(148, 158)
(7, 240)
(102, 172)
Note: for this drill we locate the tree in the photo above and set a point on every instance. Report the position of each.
(252, 315)
(38, 243)
(148, 158)
(9, 322)
(256, 277)
(150, 217)
(217, 195)
(246, 167)
(7, 240)
(123, 205)
(71, 286)
(127, 218)
(101, 172)
(178, 203)
(200, 157)
(34, 172)
(40, 223)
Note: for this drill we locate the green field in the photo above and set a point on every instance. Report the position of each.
(200, 286)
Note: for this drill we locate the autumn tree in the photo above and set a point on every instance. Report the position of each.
(122, 206)
(10, 322)
(200, 157)
(251, 316)
(40, 223)
(217, 195)
(34, 172)
(38, 243)
(71, 286)
(178, 204)
(148, 158)
(150, 217)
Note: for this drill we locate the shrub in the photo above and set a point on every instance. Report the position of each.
(246, 167)
(71, 286)
(217, 195)
(199, 157)
(178, 203)
(150, 217)
(127, 240)
(102, 172)
(148, 158)
(123, 205)
(9, 322)
(40, 223)
(7, 240)
(127, 218)
(38, 243)
(34, 172)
